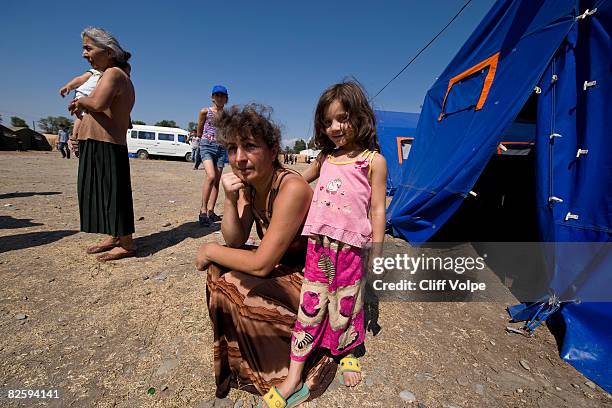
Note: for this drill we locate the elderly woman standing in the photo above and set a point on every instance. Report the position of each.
(104, 187)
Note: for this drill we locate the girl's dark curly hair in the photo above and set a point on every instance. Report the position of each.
(240, 122)
(360, 116)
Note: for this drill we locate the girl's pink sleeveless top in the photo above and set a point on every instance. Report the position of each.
(341, 201)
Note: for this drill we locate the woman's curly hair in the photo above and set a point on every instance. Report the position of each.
(240, 122)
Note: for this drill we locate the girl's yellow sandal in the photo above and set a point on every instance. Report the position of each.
(273, 399)
(348, 364)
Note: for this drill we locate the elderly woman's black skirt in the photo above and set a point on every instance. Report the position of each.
(105, 189)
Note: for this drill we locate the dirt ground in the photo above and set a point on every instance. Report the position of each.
(106, 334)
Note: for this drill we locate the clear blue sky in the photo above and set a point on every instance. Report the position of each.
(280, 53)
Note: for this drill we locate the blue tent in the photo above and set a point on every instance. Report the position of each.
(561, 49)
(395, 132)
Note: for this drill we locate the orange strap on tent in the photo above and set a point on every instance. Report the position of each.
(490, 62)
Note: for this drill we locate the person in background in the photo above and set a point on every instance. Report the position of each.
(212, 154)
(194, 142)
(62, 142)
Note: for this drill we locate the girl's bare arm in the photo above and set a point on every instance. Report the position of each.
(311, 173)
(378, 203)
(74, 83)
(201, 120)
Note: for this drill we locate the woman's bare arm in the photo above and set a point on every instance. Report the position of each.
(290, 209)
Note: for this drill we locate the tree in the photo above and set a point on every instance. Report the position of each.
(51, 124)
(166, 123)
(0, 118)
(138, 122)
(16, 121)
(299, 146)
(192, 126)
(311, 143)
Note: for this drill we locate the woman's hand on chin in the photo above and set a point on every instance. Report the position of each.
(202, 259)
(232, 184)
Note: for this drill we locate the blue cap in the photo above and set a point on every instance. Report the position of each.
(219, 89)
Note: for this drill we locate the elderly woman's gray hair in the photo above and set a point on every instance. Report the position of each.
(104, 39)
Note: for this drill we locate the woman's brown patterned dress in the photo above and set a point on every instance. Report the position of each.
(252, 320)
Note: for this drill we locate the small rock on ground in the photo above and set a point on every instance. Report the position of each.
(407, 396)
(423, 376)
(479, 389)
(223, 403)
(160, 277)
(166, 367)
(525, 365)
(463, 381)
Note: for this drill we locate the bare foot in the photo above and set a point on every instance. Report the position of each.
(106, 245)
(117, 253)
(351, 379)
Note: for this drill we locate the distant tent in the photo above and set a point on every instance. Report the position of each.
(8, 139)
(25, 138)
(395, 132)
(32, 140)
(562, 50)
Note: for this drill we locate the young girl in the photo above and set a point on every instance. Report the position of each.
(352, 184)
(212, 155)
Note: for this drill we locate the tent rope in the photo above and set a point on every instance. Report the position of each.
(421, 50)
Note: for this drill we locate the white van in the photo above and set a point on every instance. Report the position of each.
(145, 140)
